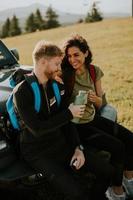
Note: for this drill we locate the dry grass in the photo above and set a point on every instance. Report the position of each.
(111, 42)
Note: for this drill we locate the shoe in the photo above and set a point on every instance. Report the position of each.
(128, 186)
(112, 196)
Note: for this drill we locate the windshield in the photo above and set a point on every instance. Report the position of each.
(6, 57)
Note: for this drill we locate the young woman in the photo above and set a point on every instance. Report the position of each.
(94, 130)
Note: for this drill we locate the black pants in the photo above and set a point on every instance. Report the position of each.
(107, 135)
(55, 164)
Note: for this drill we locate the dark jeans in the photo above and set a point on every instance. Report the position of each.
(56, 167)
(55, 164)
(104, 134)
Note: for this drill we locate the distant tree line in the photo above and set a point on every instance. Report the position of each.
(35, 21)
(10, 27)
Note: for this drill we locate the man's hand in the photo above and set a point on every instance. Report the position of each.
(78, 159)
(77, 110)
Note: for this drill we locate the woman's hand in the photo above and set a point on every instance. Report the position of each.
(58, 77)
(78, 159)
(92, 97)
(77, 110)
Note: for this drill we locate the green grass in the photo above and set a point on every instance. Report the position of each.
(111, 42)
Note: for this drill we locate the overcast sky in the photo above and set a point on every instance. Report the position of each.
(74, 6)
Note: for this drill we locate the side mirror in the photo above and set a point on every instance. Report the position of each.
(15, 53)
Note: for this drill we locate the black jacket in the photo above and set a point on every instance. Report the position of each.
(49, 125)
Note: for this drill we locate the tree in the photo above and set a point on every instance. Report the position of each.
(94, 15)
(88, 18)
(5, 29)
(52, 17)
(30, 24)
(14, 27)
(40, 23)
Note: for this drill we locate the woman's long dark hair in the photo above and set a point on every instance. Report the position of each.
(68, 71)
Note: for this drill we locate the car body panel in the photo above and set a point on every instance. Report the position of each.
(8, 64)
(16, 168)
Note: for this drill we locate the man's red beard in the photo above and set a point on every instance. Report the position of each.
(53, 75)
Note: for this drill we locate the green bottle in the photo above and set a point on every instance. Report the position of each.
(80, 99)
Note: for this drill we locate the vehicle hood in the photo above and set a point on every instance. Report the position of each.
(8, 64)
(7, 59)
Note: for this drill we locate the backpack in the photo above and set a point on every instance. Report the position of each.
(92, 73)
(106, 111)
(19, 76)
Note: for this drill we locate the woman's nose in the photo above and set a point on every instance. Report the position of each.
(72, 59)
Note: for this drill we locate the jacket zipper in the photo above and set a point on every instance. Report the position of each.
(46, 96)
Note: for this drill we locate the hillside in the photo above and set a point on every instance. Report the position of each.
(111, 42)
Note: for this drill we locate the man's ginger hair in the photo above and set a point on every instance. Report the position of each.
(45, 49)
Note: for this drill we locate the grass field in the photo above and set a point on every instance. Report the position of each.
(111, 42)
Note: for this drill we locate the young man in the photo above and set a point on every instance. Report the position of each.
(44, 139)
